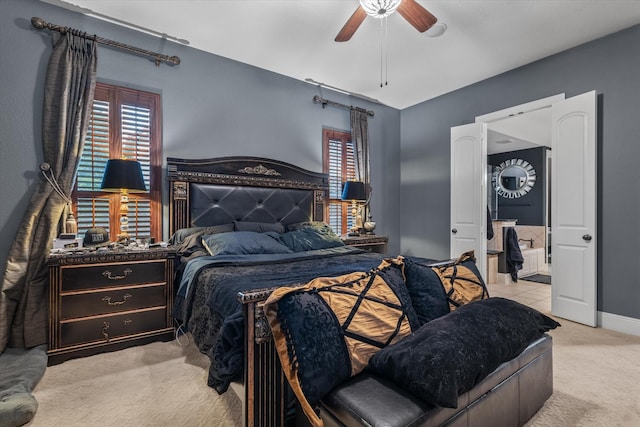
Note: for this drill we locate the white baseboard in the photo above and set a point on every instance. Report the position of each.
(615, 322)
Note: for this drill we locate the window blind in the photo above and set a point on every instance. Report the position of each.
(340, 165)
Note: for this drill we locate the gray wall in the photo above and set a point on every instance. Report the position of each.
(212, 107)
(610, 66)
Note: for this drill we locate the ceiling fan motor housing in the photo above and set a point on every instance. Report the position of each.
(380, 8)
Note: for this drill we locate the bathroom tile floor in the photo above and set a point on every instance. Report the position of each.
(535, 295)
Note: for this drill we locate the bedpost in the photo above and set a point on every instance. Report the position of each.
(179, 206)
(318, 205)
(265, 386)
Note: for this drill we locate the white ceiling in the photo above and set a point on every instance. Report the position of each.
(528, 130)
(296, 38)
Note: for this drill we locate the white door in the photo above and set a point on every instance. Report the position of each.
(573, 217)
(469, 193)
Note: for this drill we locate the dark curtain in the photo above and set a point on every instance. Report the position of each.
(68, 98)
(360, 139)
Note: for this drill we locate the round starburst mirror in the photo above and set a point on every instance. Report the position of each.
(513, 178)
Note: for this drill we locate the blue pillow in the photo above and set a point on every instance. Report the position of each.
(243, 243)
(308, 224)
(308, 239)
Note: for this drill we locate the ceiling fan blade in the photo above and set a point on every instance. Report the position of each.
(352, 25)
(416, 15)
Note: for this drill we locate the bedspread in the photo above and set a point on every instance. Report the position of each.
(208, 307)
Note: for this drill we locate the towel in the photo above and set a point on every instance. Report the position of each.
(489, 225)
(513, 254)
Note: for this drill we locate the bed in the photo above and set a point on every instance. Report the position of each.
(229, 302)
(249, 193)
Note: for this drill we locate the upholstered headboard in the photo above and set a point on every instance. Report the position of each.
(228, 189)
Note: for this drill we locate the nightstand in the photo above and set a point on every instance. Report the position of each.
(368, 242)
(102, 301)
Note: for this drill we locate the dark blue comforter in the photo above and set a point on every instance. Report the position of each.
(207, 305)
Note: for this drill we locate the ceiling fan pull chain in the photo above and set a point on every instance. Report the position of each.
(381, 47)
(386, 52)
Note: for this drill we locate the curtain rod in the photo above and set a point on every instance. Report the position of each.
(319, 100)
(40, 24)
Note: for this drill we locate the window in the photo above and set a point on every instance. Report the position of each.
(124, 123)
(339, 163)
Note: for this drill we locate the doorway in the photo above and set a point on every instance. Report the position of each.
(573, 198)
(518, 157)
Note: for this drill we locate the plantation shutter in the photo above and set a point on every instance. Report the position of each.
(340, 165)
(92, 207)
(136, 143)
(124, 124)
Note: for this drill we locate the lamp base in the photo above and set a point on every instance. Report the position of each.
(123, 239)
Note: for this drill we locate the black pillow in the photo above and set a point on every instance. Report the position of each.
(450, 355)
(327, 330)
(180, 235)
(259, 227)
(425, 289)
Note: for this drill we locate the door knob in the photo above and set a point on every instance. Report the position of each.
(586, 237)
(454, 230)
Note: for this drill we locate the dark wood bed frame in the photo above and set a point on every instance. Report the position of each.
(265, 401)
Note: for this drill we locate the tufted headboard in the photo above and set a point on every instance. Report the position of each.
(228, 189)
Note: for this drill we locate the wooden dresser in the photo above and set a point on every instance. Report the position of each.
(105, 301)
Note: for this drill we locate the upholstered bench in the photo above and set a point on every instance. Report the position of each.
(509, 396)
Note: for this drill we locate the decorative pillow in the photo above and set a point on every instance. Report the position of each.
(311, 238)
(259, 227)
(462, 281)
(451, 354)
(425, 289)
(309, 224)
(181, 234)
(327, 330)
(243, 243)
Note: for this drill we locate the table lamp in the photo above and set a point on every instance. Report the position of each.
(355, 191)
(123, 176)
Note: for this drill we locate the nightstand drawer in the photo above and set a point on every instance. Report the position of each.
(111, 301)
(107, 275)
(107, 328)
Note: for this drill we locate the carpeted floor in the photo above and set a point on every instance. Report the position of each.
(155, 385)
(596, 384)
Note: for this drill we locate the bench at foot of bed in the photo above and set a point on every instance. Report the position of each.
(509, 396)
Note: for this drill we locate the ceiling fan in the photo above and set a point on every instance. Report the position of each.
(410, 10)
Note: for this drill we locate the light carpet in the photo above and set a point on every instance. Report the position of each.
(158, 384)
(596, 383)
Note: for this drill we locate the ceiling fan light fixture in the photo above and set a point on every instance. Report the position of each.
(380, 8)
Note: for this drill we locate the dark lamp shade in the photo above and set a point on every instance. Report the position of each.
(353, 190)
(123, 174)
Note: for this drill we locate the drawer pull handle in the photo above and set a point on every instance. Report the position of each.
(124, 299)
(105, 326)
(127, 322)
(108, 275)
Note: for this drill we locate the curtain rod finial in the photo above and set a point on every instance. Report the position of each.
(39, 23)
